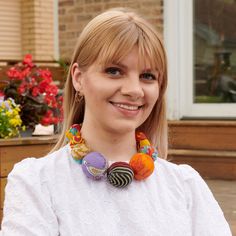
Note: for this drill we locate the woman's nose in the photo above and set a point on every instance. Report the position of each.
(132, 87)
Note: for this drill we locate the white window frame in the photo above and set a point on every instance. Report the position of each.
(178, 39)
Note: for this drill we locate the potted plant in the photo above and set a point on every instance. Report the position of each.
(33, 88)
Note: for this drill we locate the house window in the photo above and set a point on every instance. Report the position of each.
(200, 39)
(214, 51)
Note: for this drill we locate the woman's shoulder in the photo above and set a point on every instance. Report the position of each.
(180, 176)
(185, 178)
(205, 212)
(170, 169)
(32, 166)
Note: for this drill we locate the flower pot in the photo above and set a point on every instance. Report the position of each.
(26, 133)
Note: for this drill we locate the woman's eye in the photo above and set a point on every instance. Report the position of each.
(113, 71)
(148, 76)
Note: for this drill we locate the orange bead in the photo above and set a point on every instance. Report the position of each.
(142, 165)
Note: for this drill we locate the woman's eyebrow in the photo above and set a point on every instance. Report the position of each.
(119, 64)
(150, 70)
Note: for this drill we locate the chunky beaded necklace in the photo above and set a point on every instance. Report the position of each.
(119, 174)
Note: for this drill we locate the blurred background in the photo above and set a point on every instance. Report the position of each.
(37, 39)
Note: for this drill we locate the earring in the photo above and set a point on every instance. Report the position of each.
(79, 97)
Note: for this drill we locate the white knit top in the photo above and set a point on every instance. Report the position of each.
(51, 196)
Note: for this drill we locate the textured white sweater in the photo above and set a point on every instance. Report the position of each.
(51, 196)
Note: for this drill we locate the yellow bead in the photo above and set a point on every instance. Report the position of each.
(144, 142)
(78, 151)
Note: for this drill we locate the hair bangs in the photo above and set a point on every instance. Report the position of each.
(115, 49)
(151, 54)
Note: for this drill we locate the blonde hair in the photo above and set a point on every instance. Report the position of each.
(107, 38)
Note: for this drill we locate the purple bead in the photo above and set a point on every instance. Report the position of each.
(94, 165)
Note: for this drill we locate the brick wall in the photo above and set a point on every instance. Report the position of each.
(38, 29)
(75, 14)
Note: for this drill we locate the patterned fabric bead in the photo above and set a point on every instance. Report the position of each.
(155, 155)
(94, 165)
(142, 140)
(79, 150)
(120, 174)
(140, 136)
(142, 165)
(150, 150)
(73, 132)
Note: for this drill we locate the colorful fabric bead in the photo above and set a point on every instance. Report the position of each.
(74, 135)
(142, 140)
(79, 151)
(94, 165)
(120, 174)
(142, 165)
(150, 150)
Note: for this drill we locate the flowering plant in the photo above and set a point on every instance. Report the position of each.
(10, 121)
(34, 90)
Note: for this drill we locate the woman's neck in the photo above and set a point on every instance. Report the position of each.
(114, 146)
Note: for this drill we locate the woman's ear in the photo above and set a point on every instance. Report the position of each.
(76, 75)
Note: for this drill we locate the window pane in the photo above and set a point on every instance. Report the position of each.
(214, 51)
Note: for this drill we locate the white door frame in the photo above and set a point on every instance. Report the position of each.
(178, 38)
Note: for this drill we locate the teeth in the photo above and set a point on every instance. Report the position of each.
(131, 108)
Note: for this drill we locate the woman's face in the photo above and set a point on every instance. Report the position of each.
(120, 96)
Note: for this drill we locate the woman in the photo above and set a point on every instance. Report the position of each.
(108, 180)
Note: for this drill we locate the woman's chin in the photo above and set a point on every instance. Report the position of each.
(122, 127)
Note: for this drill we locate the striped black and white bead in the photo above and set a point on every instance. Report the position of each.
(120, 174)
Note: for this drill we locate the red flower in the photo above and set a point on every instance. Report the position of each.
(49, 118)
(21, 90)
(52, 89)
(49, 113)
(60, 98)
(45, 121)
(28, 60)
(13, 73)
(33, 81)
(25, 72)
(46, 75)
(35, 91)
(42, 86)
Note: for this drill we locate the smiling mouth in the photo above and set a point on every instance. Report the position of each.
(127, 107)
